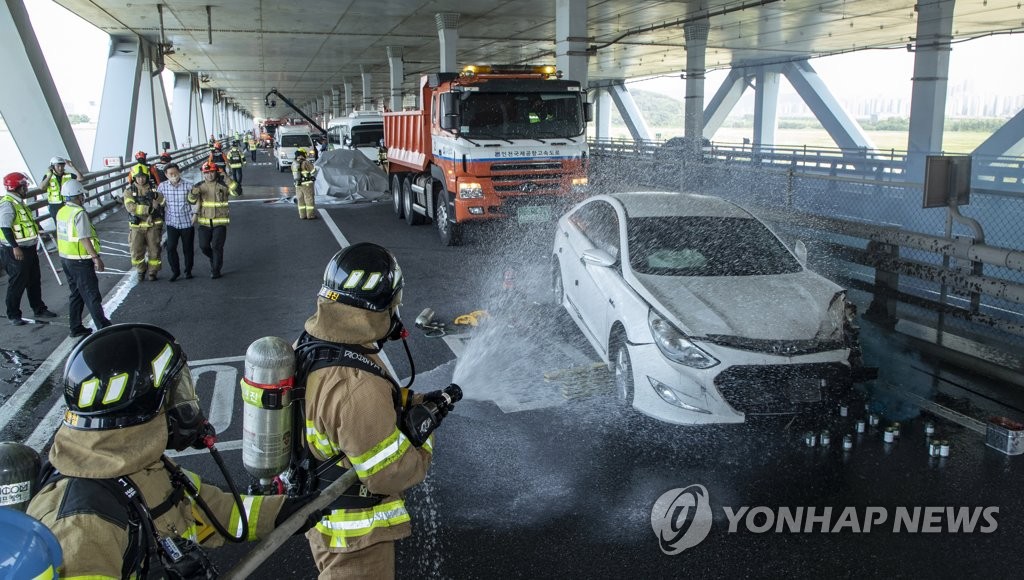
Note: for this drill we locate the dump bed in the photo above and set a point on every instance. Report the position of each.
(407, 137)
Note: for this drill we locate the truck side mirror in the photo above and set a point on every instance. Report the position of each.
(588, 112)
(449, 111)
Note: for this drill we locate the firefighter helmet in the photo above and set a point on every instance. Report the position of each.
(57, 160)
(363, 275)
(126, 375)
(218, 146)
(140, 169)
(29, 549)
(165, 157)
(12, 181)
(210, 167)
(300, 153)
(140, 156)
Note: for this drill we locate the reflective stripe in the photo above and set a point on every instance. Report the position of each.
(319, 441)
(341, 525)
(47, 574)
(210, 222)
(428, 445)
(91, 577)
(215, 204)
(251, 504)
(381, 455)
(24, 226)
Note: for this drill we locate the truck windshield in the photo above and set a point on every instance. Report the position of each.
(521, 115)
(367, 135)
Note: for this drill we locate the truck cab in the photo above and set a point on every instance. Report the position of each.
(360, 130)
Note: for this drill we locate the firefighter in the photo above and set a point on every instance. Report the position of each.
(354, 414)
(29, 549)
(52, 181)
(145, 206)
(19, 237)
(79, 249)
(140, 161)
(118, 505)
(236, 161)
(158, 168)
(217, 157)
(212, 215)
(304, 174)
(253, 145)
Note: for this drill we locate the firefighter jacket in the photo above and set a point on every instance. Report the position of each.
(303, 173)
(235, 158)
(217, 157)
(212, 200)
(92, 524)
(53, 183)
(145, 206)
(352, 413)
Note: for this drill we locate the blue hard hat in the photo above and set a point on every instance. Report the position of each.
(28, 549)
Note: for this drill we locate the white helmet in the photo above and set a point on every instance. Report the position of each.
(57, 160)
(73, 188)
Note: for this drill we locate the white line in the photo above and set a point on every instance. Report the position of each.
(14, 405)
(249, 200)
(343, 242)
(216, 361)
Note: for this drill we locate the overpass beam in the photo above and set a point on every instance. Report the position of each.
(696, 35)
(1008, 140)
(766, 105)
(115, 129)
(326, 108)
(145, 114)
(603, 115)
(448, 34)
(349, 103)
(30, 104)
(931, 74)
(336, 101)
(628, 110)
(209, 112)
(843, 129)
(183, 113)
(397, 67)
(724, 101)
(164, 128)
(571, 56)
(367, 94)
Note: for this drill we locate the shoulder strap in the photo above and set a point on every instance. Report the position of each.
(313, 354)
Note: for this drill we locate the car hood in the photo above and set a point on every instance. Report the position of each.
(778, 307)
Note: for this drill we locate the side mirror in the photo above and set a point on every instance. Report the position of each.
(597, 257)
(450, 111)
(800, 249)
(588, 112)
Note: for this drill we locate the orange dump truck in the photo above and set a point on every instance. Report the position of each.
(488, 143)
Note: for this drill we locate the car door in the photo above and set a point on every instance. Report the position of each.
(593, 285)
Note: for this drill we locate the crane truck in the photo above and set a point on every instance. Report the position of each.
(488, 143)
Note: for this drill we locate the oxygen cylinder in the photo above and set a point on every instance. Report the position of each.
(19, 472)
(267, 414)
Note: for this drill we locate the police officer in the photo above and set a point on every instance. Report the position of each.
(212, 216)
(354, 414)
(118, 505)
(236, 160)
(79, 249)
(145, 207)
(304, 175)
(54, 179)
(18, 242)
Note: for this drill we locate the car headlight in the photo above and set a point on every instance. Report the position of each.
(840, 313)
(470, 191)
(579, 182)
(675, 346)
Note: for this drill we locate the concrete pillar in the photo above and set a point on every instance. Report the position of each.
(183, 115)
(603, 118)
(448, 34)
(724, 100)
(696, 34)
(29, 102)
(367, 92)
(349, 103)
(571, 55)
(145, 113)
(931, 74)
(397, 67)
(162, 109)
(326, 109)
(766, 106)
(115, 129)
(209, 113)
(336, 101)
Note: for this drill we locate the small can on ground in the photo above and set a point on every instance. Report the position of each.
(889, 436)
(873, 420)
(944, 448)
(847, 442)
(896, 429)
(929, 428)
(810, 439)
(825, 438)
(860, 426)
(843, 410)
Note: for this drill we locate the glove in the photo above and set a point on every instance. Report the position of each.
(294, 504)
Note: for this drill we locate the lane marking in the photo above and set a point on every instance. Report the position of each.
(226, 446)
(215, 361)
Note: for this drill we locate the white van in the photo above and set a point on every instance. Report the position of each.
(362, 130)
(289, 139)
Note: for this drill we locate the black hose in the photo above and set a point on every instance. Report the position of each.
(412, 365)
(194, 493)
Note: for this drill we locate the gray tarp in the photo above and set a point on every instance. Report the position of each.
(349, 176)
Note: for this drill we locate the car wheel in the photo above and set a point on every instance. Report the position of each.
(449, 231)
(396, 195)
(623, 369)
(411, 217)
(557, 288)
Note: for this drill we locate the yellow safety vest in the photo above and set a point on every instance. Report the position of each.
(25, 228)
(53, 187)
(73, 250)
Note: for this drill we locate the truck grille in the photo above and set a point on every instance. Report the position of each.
(762, 389)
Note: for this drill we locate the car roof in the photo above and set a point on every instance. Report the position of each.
(658, 204)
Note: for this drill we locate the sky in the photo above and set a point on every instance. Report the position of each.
(78, 67)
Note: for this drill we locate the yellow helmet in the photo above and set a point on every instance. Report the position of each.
(139, 169)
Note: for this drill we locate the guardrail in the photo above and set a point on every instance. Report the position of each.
(105, 186)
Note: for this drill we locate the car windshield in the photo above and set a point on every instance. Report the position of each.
(367, 135)
(706, 246)
(521, 115)
(296, 141)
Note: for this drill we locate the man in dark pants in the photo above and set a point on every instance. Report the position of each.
(79, 249)
(211, 197)
(178, 220)
(18, 240)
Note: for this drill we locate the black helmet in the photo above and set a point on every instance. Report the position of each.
(363, 275)
(126, 375)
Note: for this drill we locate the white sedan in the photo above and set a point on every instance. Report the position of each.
(703, 314)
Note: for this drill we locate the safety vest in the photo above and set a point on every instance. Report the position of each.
(73, 250)
(53, 185)
(25, 228)
(235, 159)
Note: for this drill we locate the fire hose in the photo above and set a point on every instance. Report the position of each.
(282, 533)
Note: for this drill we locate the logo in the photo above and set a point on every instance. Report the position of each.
(681, 518)
(529, 187)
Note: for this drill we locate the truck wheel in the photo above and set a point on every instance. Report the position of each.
(396, 195)
(450, 232)
(411, 217)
